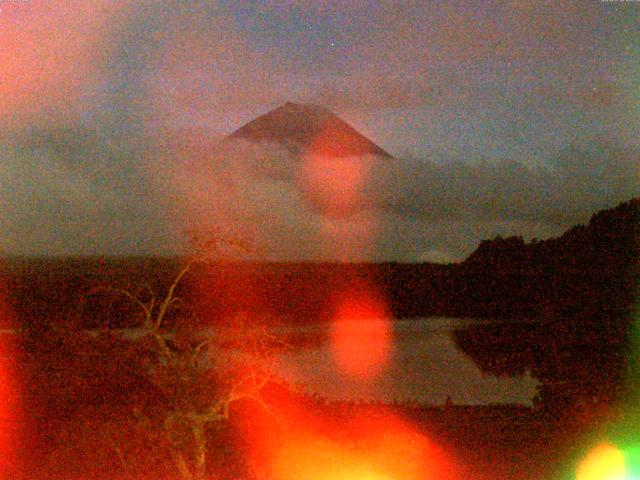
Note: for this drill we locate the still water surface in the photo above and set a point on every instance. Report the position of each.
(425, 366)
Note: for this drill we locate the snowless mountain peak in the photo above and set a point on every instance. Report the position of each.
(308, 129)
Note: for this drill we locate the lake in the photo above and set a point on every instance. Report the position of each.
(425, 366)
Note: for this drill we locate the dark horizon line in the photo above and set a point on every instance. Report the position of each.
(13, 257)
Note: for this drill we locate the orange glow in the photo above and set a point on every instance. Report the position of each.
(361, 333)
(335, 171)
(333, 185)
(605, 462)
(9, 395)
(300, 445)
(334, 178)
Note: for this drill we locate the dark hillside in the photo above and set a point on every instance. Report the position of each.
(580, 290)
(44, 290)
(587, 274)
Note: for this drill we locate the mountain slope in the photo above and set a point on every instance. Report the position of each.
(308, 129)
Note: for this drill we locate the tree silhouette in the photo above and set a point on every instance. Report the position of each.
(577, 337)
(162, 389)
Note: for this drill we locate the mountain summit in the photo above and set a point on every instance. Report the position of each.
(307, 128)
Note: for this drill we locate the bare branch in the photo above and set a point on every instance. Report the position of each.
(168, 299)
(175, 367)
(121, 291)
(197, 350)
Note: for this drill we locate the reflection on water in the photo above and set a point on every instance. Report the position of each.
(425, 366)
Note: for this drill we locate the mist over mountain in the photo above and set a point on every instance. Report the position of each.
(417, 208)
(436, 160)
(298, 182)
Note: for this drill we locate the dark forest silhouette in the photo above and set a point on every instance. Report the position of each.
(587, 273)
(566, 295)
(567, 302)
(563, 310)
(582, 289)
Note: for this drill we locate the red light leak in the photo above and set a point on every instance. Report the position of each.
(332, 177)
(10, 418)
(361, 333)
(301, 445)
(334, 185)
(39, 76)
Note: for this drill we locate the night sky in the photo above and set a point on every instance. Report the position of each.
(510, 117)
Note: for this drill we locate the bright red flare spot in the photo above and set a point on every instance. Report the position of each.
(10, 421)
(374, 445)
(333, 185)
(336, 168)
(361, 334)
